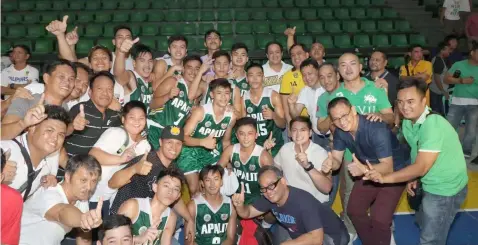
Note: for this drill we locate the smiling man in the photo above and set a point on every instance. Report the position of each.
(171, 64)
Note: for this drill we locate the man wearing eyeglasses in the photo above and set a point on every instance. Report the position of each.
(306, 219)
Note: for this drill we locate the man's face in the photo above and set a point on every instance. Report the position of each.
(61, 81)
(377, 62)
(135, 121)
(167, 190)
(310, 75)
(417, 54)
(270, 180)
(171, 148)
(221, 66)
(301, 133)
(274, 54)
(102, 92)
(213, 42)
(453, 43)
(19, 55)
(143, 64)
(81, 84)
(178, 49)
(317, 52)
(349, 67)
(118, 236)
(221, 96)
(100, 61)
(297, 54)
(239, 57)
(212, 183)
(328, 78)
(120, 36)
(246, 135)
(446, 51)
(48, 136)
(255, 77)
(410, 103)
(191, 69)
(343, 117)
(83, 183)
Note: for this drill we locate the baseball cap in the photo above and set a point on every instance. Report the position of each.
(172, 132)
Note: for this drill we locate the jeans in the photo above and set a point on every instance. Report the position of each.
(470, 112)
(382, 200)
(436, 103)
(436, 216)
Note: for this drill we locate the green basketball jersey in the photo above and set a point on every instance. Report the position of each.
(143, 92)
(169, 63)
(264, 127)
(211, 224)
(144, 220)
(175, 111)
(242, 84)
(207, 97)
(247, 172)
(210, 124)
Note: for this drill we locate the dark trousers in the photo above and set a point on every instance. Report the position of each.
(382, 200)
(436, 103)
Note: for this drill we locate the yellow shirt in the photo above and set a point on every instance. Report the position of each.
(422, 66)
(292, 83)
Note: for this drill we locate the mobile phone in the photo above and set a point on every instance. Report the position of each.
(457, 74)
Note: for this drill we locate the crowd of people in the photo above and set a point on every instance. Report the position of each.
(122, 147)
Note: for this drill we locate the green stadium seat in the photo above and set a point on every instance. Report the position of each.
(158, 5)
(254, 3)
(149, 29)
(4, 32)
(395, 62)
(363, 3)
(261, 28)
(6, 45)
(224, 15)
(106, 42)
(242, 15)
(325, 14)
(389, 13)
(362, 41)
(191, 16)
(418, 39)
(248, 40)
(243, 28)
(239, 4)
(140, 16)
(176, 5)
(342, 13)
(102, 17)
(188, 28)
(93, 5)
(278, 27)
(204, 27)
(274, 14)
(292, 14)
(51, 16)
(42, 5)
(162, 44)
(167, 29)
(399, 40)
(350, 26)
(332, 3)
(120, 17)
(207, 4)
(174, 15)
(224, 28)
(9, 6)
(368, 26)
(155, 16)
(35, 31)
(110, 4)
(380, 41)
(76, 5)
(342, 41)
(135, 28)
(25, 6)
(108, 30)
(402, 26)
(94, 30)
(302, 3)
(150, 42)
(193, 44)
(377, 2)
(326, 41)
(315, 26)
(227, 42)
(259, 15)
(374, 13)
(299, 26)
(85, 17)
(271, 4)
(332, 26)
(348, 3)
(263, 40)
(207, 15)
(43, 46)
(84, 46)
(282, 40)
(142, 4)
(306, 40)
(126, 4)
(357, 13)
(13, 18)
(385, 26)
(16, 31)
(31, 18)
(190, 4)
(317, 3)
(286, 3)
(309, 14)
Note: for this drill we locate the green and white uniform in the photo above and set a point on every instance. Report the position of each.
(144, 220)
(207, 97)
(247, 172)
(174, 112)
(193, 159)
(169, 63)
(143, 92)
(242, 84)
(264, 127)
(211, 223)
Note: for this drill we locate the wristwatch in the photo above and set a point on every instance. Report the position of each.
(310, 167)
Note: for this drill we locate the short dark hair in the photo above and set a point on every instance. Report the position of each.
(303, 119)
(84, 67)
(256, 65)
(51, 67)
(212, 31)
(309, 62)
(171, 172)
(83, 160)
(210, 169)
(111, 222)
(56, 112)
(174, 38)
(442, 45)
(298, 45)
(219, 82)
(450, 37)
(122, 27)
(272, 43)
(239, 45)
(272, 168)
(246, 121)
(421, 86)
(100, 47)
(384, 55)
(192, 58)
(329, 64)
(474, 46)
(139, 49)
(221, 53)
(101, 74)
(339, 100)
(24, 47)
(413, 46)
(132, 105)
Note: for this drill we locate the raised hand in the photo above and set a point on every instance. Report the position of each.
(270, 142)
(129, 153)
(301, 157)
(10, 170)
(328, 163)
(127, 45)
(174, 92)
(206, 65)
(267, 113)
(92, 219)
(356, 168)
(143, 167)
(80, 122)
(373, 175)
(209, 142)
(72, 37)
(238, 198)
(57, 27)
(290, 31)
(35, 114)
(292, 99)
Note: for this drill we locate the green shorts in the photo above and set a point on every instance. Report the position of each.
(154, 134)
(193, 159)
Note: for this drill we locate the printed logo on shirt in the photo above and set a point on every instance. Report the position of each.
(237, 164)
(224, 217)
(284, 218)
(370, 99)
(207, 124)
(249, 109)
(18, 79)
(207, 217)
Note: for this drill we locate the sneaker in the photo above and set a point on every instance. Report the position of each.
(353, 237)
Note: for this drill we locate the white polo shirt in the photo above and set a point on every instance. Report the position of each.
(295, 174)
(49, 165)
(272, 78)
(113, 141)
(35, 228)
(308, 97)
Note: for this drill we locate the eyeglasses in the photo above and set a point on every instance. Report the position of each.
(270, 187)
(336, 120)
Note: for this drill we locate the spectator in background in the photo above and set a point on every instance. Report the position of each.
(317, 50)
(438, 88)
(213, 42)
(382, 77)
(274, 68)
(455, 55)
(465, 8)
(19, 74)
(450, 17)
(417, 67)
(471, 28)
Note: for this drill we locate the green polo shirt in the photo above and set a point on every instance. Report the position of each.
(434, 133)
(322, 103)
(469, 91)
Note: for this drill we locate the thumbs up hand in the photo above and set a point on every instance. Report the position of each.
(209, 142)
(92, 219)
(356, 168)
(373, 175)
(80, 121)
(72, 37)
(143, 167)
(127, 45)
(328, 163)
(238, 198)
(290, 31)
(57, 27)
(301, 157)
(35, 114)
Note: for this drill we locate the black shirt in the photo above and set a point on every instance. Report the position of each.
(302, 213)
(81, 142)
(393, 84)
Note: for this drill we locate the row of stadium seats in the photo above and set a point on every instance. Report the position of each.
(203, 15)
(154, 29)
(254, 42)
(26, 5)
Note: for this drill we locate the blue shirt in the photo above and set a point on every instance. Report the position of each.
(373, 141)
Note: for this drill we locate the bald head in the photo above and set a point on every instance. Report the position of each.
(349, 67)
